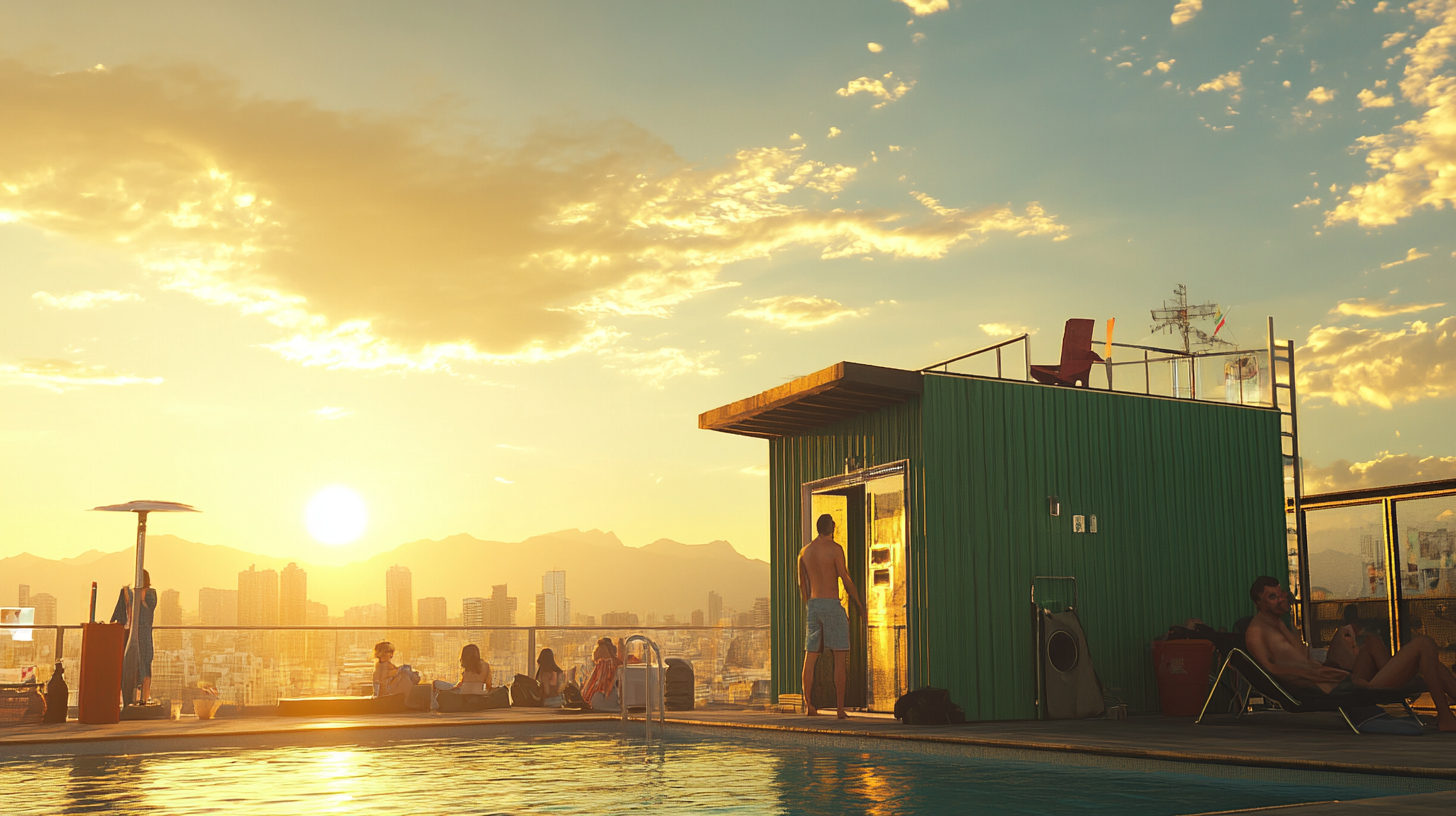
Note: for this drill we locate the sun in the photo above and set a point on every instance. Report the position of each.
(336, 515)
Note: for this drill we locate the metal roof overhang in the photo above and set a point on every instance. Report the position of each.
(838, 392)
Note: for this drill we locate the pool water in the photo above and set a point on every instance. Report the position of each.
(607, 771)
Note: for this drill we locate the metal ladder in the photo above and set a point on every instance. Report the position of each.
(650, 652)
(1282, 351)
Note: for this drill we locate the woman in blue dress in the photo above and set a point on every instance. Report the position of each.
(122, 614)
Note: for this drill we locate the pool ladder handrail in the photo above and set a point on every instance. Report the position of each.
(650, 652)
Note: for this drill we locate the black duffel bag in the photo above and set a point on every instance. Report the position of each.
(453, 702)
(928, 706)
(526, 692)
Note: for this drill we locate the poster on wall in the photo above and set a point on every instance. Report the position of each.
(19, 616)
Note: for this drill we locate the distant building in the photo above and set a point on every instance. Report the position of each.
(293, 596)
(578, 619)
(24, 595)
(398, 597)
(431, 612)
(169, 613)
(473, 612)
(697, 617)
(715, 608)
(217, 607)
(369, 615)
(316, 614)
(257, 597)
(553, 608)
(500, 610)
(619, 619)
(761, 615)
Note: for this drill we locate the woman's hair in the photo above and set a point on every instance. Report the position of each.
(608, 644)
(546, 661)
(146, 579)
(383, 648)
(470, 659)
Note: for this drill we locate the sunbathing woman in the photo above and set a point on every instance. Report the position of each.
(551, 678)
(474, 673)
(387, 678)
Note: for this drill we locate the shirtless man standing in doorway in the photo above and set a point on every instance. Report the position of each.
(821, 568)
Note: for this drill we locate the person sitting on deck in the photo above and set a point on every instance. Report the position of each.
(1279, 650)
(389, 679)
(598, 691)
(551, 677)
(474, 673)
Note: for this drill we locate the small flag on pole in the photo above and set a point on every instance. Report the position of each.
(1220, 319)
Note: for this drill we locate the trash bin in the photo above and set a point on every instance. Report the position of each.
(1182, 668)
(102, 648)
(681, 692)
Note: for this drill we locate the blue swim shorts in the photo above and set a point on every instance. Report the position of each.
(825, 624)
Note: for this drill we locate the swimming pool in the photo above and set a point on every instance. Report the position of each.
(602, 769)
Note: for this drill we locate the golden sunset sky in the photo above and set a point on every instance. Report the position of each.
(485, 263)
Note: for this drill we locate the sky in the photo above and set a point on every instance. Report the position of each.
(484, 264)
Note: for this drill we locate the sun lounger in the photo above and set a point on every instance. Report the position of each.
(1242, 665)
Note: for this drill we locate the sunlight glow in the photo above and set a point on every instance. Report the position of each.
(336, 515)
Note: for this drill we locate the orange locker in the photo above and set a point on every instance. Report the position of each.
(102, 648)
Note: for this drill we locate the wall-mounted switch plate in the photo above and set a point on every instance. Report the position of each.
(1091, 524)
(1079, 524)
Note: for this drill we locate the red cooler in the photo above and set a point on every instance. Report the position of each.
(102, 648)
(1182, 667)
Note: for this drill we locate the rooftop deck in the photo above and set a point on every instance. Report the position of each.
(1270, 740)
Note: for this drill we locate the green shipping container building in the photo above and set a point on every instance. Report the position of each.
(952, 493)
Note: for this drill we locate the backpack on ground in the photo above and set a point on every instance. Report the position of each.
(928, 706)
(453, 702)
(526, 692)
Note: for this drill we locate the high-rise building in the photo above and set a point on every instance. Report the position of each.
(472, 612)
(316, 614)
(553, 608)
(257, 597)
(761, 616)
(697, 617)
(431, 612)
(619, 619)
(24, 595)
(45, 608)
(499, 609)
(715, 608)
(370, 615)
(169, 613)
(399, 597)
(217, 607)
(293, 596)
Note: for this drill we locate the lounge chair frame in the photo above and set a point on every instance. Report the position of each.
(1257, 679)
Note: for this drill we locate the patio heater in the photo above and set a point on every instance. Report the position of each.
(131, 662)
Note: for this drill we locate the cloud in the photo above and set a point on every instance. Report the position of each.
(798, 312)
(1368, 99)
(1185, 11)
(1411, 254)
(1351, 366)
(874, 48)
(85, 300)
(654, 367)
(918, 37)
(1394, 39)
(833, 131)
(329, 412)
(1233, 82)
(1307, 202)
(1005, 329)
(1360, 307)
(1386, 470)
(878, 89)
(504, 480)
(1320, 95)
(1411, 164)
(754, 470)
(392, 241)
(925, 7)
(65, 375)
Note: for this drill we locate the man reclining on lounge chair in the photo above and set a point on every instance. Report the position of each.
(1280, 651)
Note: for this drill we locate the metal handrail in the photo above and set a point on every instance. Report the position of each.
(647, 684)
(996, 347)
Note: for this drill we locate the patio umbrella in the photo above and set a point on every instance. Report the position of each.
(131, 662)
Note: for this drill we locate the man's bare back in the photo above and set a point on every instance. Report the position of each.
(821, 567)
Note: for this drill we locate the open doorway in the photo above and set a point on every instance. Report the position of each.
(868, 508)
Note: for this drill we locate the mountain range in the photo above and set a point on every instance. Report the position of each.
(602, 573)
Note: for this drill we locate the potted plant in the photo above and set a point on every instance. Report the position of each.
(205, 702)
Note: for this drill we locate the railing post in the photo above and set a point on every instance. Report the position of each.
(530, 649)
(998, 362)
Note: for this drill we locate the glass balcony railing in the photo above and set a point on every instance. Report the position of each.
(258, 665)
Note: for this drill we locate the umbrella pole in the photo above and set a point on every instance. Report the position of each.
(131, 664)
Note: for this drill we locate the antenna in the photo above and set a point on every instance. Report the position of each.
(1177, 317)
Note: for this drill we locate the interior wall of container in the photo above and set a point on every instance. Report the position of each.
(877, 438)
(1189, 504)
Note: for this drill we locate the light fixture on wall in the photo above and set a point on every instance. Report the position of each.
(1054, 506)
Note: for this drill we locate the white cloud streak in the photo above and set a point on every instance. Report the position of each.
(886, 89)
(66, 375)
(1185, 11)
(797, 312)
(85, 300)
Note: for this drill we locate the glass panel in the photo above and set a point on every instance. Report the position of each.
(1346, 569)
(885, 592)
(1428, 578)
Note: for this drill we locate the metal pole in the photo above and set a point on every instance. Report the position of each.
(1394, 590)
(1273, 368)
(1147, 374)
(530, 648)
(1026, 354)
(131, 664)
(998, 362)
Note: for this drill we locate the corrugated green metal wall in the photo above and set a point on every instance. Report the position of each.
(884, 436)
(1189, 504)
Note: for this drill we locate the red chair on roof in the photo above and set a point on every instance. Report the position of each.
(1077, 356)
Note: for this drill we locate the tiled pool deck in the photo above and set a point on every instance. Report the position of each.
(1311, 742)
